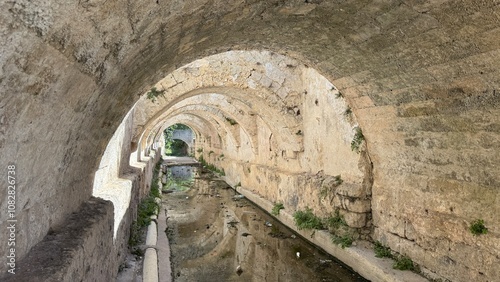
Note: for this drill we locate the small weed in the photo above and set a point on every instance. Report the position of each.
(477, 227)
(336, 221)
(221, 156)
(200, 150)
(348, 112)
(154, 93)
(210, 153)
(138, 252)
(276, 209)
(338, 180)
(238, 185)
(147, 208)
(298, 132)
(382, 251)
(307, 219)
(231, 121)
(339, 95)
(343, 241)
(403, 263)
(135, 235)
(357, 140)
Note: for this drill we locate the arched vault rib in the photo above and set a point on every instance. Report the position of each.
(232, 111)
(206, 118)
(215, 117)
(283, 124)
(200, 125)
(276, 83)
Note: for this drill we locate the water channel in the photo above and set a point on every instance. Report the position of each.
(215, 234)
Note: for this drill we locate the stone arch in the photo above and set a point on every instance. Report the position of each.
(420, 82)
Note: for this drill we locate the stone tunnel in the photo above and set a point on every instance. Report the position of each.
(401, 99)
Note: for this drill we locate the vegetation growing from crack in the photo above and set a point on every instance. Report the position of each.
(200, 150)
(339, 230)
(344, 240)
(348, 112)
(477, 227)
(382, 251)
(276, 209)
(154, 93)
(357, 140)
(307, 219)
(145, 210)
(231, 121)
(335, 222)
(403, 263)
(211, 167)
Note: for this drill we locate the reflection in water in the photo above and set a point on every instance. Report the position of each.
(216, 235)
(182, 172)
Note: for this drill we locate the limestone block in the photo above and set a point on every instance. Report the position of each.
(351, 190)
(356, 205)
(356, 220)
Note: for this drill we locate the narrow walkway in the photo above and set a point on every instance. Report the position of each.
(163, 248)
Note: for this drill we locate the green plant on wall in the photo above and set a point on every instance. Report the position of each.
(403, 263)
(335, 221)
(154, 93)
(307, 219)
(477, 227)
(357, 140)
(382, 251)
(146, 209)
(344, 241)
(231, 121)
(276, 209)
(348, 112)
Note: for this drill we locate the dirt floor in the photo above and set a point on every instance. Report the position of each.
(217, 235)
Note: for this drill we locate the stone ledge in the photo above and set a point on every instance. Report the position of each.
(360, 259)
(68, 253)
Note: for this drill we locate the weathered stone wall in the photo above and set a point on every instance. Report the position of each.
(420, 77)
(81, 240)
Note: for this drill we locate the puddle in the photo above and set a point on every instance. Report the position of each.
(216, 234)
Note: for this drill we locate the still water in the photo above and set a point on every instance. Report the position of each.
(216, 234)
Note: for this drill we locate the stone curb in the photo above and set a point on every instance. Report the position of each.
(360, 259)
(150, 271)
(150, 268)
